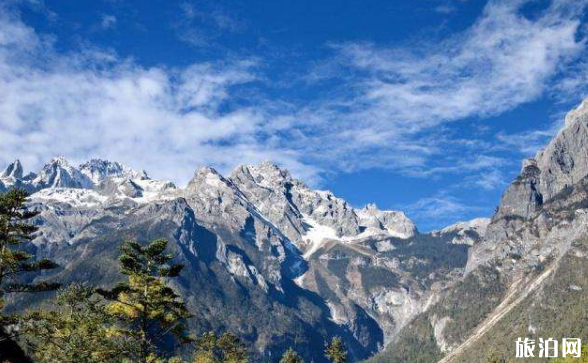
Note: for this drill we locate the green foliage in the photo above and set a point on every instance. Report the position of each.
(559, 309)
(336, 351)
(146, 309)
(290, 356)
(226, 349)
(231, 348)
(425, 254)
(78, 331)
(377, 277)
(416, 344)
(496, 357)
(583, 357)
(207, 349)
(14, 231)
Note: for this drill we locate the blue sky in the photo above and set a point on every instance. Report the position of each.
(428, 106)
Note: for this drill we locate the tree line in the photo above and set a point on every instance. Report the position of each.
(128, 323)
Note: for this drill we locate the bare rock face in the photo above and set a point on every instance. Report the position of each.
(522, 198)
(563, 163)
(551, 175)
(60, 174)
(468, 233)
(270, 189)
(267, 257)
(287, 202)
(97, 170)
(13, 170)
(393, 223)
(531, 259)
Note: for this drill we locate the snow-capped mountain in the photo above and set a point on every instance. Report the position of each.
(97, 170)
(93, 183)
(303, 215)
(255, 239)
(284, 265)
(60, 174)
(13, 171)
(291, 205)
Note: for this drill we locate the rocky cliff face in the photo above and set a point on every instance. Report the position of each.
(545, 180)
(393, 223)
(291, 205)
(284, 265)
(468, 233)
(269, 258)
(526, 276)
(563, 163)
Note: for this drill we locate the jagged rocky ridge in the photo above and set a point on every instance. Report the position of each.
(267, 257)
(526, 276)
(283, 265)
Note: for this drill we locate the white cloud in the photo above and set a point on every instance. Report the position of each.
(402, 96)
(392, 110)
(94, 104)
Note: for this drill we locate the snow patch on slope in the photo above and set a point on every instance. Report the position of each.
(337, 316)
(316, 236)
(78, 198)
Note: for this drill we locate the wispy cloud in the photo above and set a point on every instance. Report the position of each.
(396, 103)
(201, 23)
(528, 142)
(488, 179)
(108, 21)
(386, 107)
(440, 209)
(448, 6)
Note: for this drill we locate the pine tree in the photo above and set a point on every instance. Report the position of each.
(78, 331)
(226, 349)
(336, 351)
(14, 262)
(232, 349)
(206, 351)
(290, 356)
(146, 308)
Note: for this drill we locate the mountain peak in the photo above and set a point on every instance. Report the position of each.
(562, 163)
(269, 165)
(61, 160)
(577, 114)
(13, 170)
(266, 174)
(394, 223)
(208, 176)
(478, 225)
(372, 207)
(58, 173)
(207, 171)
(99, 169)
